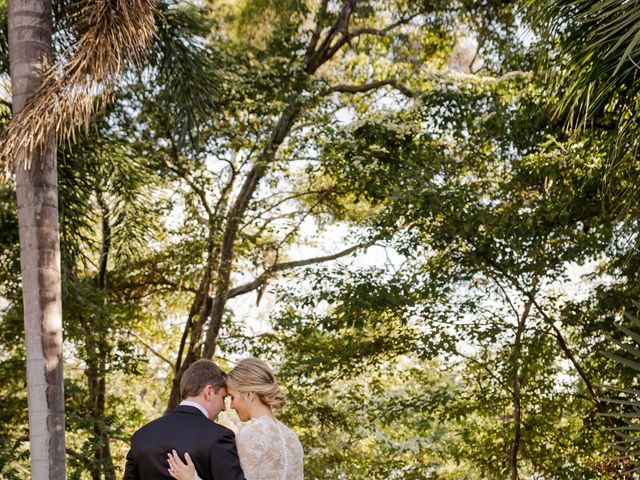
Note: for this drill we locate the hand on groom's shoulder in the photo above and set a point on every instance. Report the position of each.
(210, 445)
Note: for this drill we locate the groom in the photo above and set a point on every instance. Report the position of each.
(189, 428)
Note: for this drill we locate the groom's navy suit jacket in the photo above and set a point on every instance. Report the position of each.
(212, 447)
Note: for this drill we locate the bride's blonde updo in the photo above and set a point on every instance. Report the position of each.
(254, 375)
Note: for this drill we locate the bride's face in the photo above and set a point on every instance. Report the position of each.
(240, 404)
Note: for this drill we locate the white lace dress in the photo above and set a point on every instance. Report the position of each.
(268, 450)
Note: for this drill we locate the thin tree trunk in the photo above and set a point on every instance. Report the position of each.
(192, 356)
(92, 382)
(106, 243)
(213, 308)
(30, 46)
(96, 370)
(584, 375)
(196, 306)
(201, 307)
(103, 450)
(315, 56)
(98, 392)
(96, 380)
(236, 214)
(517, 401)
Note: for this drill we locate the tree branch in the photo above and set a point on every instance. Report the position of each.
(153, 350)
(315, 57)
(196, 305)
(280, 267)
(196, 189)
(517, 384)
(484, 367)
(278, 203)
(595, 398)
(153, 283)
(385, 30)
(505, 294)
(475, 55)
(234, 218)
(224, 194)
(315, 36)
(374, 86)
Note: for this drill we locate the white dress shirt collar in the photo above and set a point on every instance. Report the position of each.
(189, 403)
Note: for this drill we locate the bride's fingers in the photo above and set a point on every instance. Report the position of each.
(172, 459)
(176, 458)
(171, 466)
(187, 457)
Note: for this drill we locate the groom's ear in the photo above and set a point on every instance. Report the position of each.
(207, 392)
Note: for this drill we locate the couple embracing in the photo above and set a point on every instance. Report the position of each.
(187, 444)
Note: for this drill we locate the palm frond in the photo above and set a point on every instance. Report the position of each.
(113, 35)
(597, 68)
(187, 68)
(4, 39)
(624, 402)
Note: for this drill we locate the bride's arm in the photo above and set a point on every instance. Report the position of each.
(180, 470)
(250, 452)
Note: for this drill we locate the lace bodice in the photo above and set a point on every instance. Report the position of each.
(268, 450)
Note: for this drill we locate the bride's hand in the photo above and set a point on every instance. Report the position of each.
(180, 470)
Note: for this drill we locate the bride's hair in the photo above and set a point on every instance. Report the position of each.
(254, 375)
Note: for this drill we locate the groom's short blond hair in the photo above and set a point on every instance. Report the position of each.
(199, 375)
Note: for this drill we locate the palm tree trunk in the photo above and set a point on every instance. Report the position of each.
(30, 30)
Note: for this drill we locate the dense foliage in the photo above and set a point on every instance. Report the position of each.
(383, 200)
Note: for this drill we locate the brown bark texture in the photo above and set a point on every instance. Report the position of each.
(30, 48)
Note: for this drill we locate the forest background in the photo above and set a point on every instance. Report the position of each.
(413, 210)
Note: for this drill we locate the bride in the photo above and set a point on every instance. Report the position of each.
(268, 450)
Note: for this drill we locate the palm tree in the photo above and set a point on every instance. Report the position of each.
(30, 46)
(624, 400)
(598, 61)
(49, 98)
(597, 82)
(596, 77)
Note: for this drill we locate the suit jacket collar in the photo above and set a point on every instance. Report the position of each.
(189, 403)
(188, 409)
